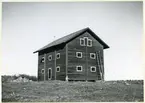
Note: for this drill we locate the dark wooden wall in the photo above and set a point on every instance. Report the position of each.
(52, 64)
(71, 60)
(40, 67)
(61, 62)
(85, 61)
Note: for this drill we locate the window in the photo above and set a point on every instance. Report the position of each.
(79, 54)
(50, 57)
(58, 69)
(57, 55)
(82, 42)
(42, 59)
(42, 71)
(79, 68)
(93, 69)
(89, 43)
(92, 55)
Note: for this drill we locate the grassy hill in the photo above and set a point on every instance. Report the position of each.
(61, 91)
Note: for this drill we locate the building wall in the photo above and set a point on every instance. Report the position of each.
(61, 62)
(40, 67)
(85, 61)
(51, 64)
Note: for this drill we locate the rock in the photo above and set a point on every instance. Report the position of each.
(126, 83)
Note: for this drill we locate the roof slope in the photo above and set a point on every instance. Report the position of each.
(71, 36)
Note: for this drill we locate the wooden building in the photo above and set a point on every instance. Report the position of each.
(77, 56)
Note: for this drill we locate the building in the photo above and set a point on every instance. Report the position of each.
(77, 56)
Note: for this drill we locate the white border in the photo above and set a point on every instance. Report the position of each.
(59, 69)
(93, 67)
(49, 57)
(78, 53)
(48, 74)
(88, 42)
(79, 70)
(58, 57)
(42, 70)
(94, 55)
(81, 42)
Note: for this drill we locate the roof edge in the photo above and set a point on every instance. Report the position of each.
(105, 46)
(102, 42)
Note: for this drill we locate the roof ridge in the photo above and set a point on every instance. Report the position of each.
(59, 40)
(70, 37)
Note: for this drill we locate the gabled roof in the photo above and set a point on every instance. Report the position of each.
(71, 36)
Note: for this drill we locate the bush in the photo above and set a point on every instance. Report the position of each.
(33, 78)
(8, 78)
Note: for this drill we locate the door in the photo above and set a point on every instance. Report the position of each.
(49, 73)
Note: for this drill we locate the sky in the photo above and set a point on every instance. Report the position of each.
(26, 27)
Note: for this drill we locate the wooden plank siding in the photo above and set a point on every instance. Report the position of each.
(52, 64)
(40, 67)
(86, 62)
(68, 60)
(67, 46)
(61, 62)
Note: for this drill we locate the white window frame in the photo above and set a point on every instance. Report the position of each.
(43, 71)
(49, 57)
(59, 69)
(84, 40)
(81, 42)
(88, 42)
(93, 67)
(42, 61)
(79, 70)
(78, 53)
(92, 54)
(58, 56)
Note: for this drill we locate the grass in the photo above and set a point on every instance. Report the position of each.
(61, 91)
